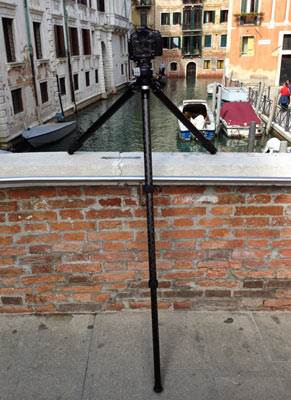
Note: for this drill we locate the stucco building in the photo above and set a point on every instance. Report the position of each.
(260, 46)
(58, 54)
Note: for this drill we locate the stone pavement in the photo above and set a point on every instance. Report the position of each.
(204, 356)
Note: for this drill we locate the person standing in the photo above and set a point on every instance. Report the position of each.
(163, 68)
(284, 96)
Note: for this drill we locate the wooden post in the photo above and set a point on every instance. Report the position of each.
(218, 106)
(230, 79)
(252, 135)
(261, 90)
(272, 112)
(214, 97)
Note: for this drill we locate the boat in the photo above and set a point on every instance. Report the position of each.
(210, 88)
(48, 133)
(236, 117)
(201, 117)
(229, 93)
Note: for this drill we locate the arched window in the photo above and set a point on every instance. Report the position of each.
(173, 66)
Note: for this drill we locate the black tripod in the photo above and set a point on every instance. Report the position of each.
(145, 82)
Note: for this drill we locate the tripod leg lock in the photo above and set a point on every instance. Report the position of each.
(149, 188)
(153, 284)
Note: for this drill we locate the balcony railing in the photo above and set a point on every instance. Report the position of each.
(143, 3)
(193, 2)
(196, 26)
(251, 18)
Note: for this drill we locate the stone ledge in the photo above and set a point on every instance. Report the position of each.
(22, 169)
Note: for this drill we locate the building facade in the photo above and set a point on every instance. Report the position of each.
(260, 48)
(58, 55)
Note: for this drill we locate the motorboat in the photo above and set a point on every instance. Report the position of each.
(201, 116)
(48, 133)
(236, 117)
(230, 94)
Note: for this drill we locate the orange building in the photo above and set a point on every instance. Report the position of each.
(260, 40)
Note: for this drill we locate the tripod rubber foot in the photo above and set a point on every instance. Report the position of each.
(158, 389)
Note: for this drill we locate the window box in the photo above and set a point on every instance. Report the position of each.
(249, 18)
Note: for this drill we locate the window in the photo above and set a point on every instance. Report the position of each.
(207, 40)
(176, 18)
(247, 45)
(223, 16)
(166, 42)
(165, 18)
(43, 92)
(206, 64)
(17, 101)
(121, 45)
(220, 64)
(60, 41)
(74, 41)
(209, 16)
(37, 40)
(84, 2)
(223, 40)
(192, 45)
(62, 82)
(287, 42)
(100, 5)
(9, 39)
(175, 42)
(173, 66)
(192, 19)
(96, 76)
(87, 78)
(122, 69)
(248, 6)
(76, 82)
(143, 18)
(86, 42)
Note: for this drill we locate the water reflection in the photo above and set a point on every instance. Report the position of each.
(123, 132)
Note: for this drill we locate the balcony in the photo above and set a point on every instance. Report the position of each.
(251, 18)
(193, 2)
(192, 46)
(143, 3)
(192, 27)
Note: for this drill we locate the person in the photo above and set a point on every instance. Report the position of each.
(289, 86)
(284, 97)
(163, 68)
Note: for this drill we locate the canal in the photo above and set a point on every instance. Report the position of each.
(123, 132)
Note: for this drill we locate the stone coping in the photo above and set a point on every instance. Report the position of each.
(38, 169)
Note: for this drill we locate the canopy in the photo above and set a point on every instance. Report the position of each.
(239, 113)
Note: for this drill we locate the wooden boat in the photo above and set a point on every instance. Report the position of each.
(232, 94)
(48, 133)
(200, 115)
(236, 117)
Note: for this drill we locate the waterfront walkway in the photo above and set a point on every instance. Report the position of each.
(205, 356)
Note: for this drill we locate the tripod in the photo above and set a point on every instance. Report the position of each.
(145, 82)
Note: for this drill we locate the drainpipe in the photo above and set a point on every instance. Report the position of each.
(31, 59)
(69, 56)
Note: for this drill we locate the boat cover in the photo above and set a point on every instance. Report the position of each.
(239, 113)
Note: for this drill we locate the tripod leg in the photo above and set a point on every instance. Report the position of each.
(149, 189)
(174, 110)
(104, 117)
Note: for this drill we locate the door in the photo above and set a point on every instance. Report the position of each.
(285, 68)
(191, 69)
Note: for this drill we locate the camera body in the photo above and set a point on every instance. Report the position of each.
(145, 44)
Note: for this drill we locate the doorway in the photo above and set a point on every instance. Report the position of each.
(191, 69)
(285, 72)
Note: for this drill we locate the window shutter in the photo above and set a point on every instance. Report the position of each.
(250, 46)
(256, 5)
(179, 18)
(240, 45)
(191, 44)
(204, 17)
(213, 16)
(179, 42)
(56, 40)
(243, 6)
(192, 20)
(207, 41)
(168, 18)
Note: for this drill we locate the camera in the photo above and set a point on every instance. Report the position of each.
(145, 44)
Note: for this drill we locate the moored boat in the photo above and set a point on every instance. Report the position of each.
(236, 117)
(48, 133)
(199, 113)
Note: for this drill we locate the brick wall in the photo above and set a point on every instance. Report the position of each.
(79, 249)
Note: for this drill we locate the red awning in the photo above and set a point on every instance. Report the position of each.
(239, 113)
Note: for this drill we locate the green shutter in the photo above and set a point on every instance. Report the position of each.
(191, 44)
(200, 45)
(223, 39)
(207, 41)
(256, 5)
(213, 16)
(183, 45)
(204, 17)
(179, 18)
(184, 19)
(168, 18)
(243, 6)
(192, 19)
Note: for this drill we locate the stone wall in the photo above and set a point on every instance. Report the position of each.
(84, 248)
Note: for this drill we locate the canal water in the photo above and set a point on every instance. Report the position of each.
(123, 131)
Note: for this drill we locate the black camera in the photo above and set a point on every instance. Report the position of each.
(145, 44)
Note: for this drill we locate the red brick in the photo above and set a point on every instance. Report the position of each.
(13, 251)
(100, 298)
(40, 249)
(193, 254)
(221, 210)
(114, 277)
(35, 227)
(71, 214)
(110, 202)
(250, 253)
(9, 229)
(257, 221)
(183, 275)
(218, 283)
(169, 190)
(33, 216)
(95, 236)
(48, 298)
(81, 296)
(119, 246)
(78, 268)
(258, 243)
(212, 222)
(2, 195)
(183, 211)
(286, 231)
(8, 206)
(16, 309)
(47, 308)
(230, 199)
(277, 302)
(283, 293)
(261, 233)
(283, 198)
(282, 243)
(40, 238)
(285, 253)
(138, 266)
(26, 193)
(185, 244)
(217, 293)
(44, 288)
(182, 234)
(222, 233)
(255, 274)
(141, 224)
(139, 304)
(130, 202)
(11, 300)
(220, 264)
(32, 280)
(73, 226)
(40, 259)
(259, 198)
(6, 240)
(116, 286)
(253, 284)
(90, 247)
(107, 191)
(6, 261)
(69, 191)
(181, 264)
(70, 203)
(216, 273)
(66, 247)
(108, 214)
(112, 256)
(222, 244)
(41, 269)
(74, 237)
(255, 264)
(11, 271)
(78, 279)
(82, 289)
(102, 225)
(280, 263)
(253, 293)
(115, 307)
(284, 274)
(260, 210)
(183, 222)
(281, 221)
(183, 305)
